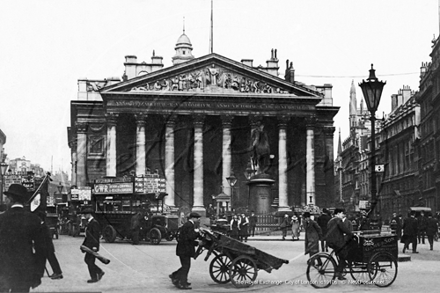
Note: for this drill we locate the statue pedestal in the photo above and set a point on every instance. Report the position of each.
(260, 193)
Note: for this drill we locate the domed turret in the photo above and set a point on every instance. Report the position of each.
(183, 49)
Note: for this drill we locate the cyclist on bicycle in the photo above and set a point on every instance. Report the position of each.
(336, 229)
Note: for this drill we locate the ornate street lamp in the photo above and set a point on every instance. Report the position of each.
(232, 180)
(3, 167)
(372, 91)
(249, 173)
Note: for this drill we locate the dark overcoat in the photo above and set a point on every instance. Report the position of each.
(313, 235)
(187, 240)
(93, 233)
(410, 226)
(323, 221)
(431, 226)
(22, 248)
(335, 233)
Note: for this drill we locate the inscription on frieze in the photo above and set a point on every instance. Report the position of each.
(205, 105)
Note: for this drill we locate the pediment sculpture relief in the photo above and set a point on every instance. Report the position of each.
(210, 79)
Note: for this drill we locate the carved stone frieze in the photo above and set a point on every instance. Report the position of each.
(210, 79)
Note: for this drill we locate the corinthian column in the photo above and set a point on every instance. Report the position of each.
(81, 152)
(140, 144)
(310, 161)
(226, 153)
(198, 165)
(282, 165)
(111, 145)
(169, 160)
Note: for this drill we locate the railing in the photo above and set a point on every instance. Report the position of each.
(266, 223)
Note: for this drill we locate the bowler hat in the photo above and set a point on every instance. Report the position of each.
(306, 215)
(18, 192)
(87, 211)
(194, 215)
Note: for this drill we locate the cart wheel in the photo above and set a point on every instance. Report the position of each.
(243, 271)
(382, 268)
(359, 272)
(109, 234)
(321, 270)
(155, 236)
(219, 269)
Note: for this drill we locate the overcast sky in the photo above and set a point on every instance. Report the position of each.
(47, 45)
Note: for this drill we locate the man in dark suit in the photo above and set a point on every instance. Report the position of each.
(322, 222)
(336, 238)
(410, 231)
(186, 250)
(22, 251)
(93, 232)
(252, 223)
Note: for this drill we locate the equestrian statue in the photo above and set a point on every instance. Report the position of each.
(260, 149)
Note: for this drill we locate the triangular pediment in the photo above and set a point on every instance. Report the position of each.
(214, 74)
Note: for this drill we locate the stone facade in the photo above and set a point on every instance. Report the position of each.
(191, 123)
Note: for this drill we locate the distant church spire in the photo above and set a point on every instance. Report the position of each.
(184, 25)
(353, 105)
(339, 143)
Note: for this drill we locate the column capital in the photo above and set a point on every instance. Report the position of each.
(81, 127)
(170, 120)
(226, 120)
(198, 120)
(111, 119)
(328, 130)
(283, 120)
(140, 119)
(310, 121)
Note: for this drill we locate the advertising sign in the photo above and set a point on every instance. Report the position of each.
(150, 183)
(81, 193)
(28, 182)
(113, 188)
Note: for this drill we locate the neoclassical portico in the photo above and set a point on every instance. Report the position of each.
(192, 122)
(169, 160)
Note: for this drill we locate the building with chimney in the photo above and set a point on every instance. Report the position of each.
(429, 143)
(190, 123)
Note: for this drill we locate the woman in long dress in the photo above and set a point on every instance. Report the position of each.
(295, 228)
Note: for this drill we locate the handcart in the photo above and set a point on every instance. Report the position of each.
(235, 261)
(372, 259)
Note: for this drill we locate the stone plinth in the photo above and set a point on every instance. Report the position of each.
(260, 193)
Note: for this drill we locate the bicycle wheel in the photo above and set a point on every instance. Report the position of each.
(321, 270)
(382, 268)
(360, 273)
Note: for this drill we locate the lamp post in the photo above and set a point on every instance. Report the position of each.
(3, 167)
(232, 180)
(249, 172)
(372, 91)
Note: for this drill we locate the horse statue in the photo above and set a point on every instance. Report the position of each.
(260, 149)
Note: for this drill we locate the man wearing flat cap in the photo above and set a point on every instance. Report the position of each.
(93, 233)
(22, 250)
(185, 250)
(336, 231)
